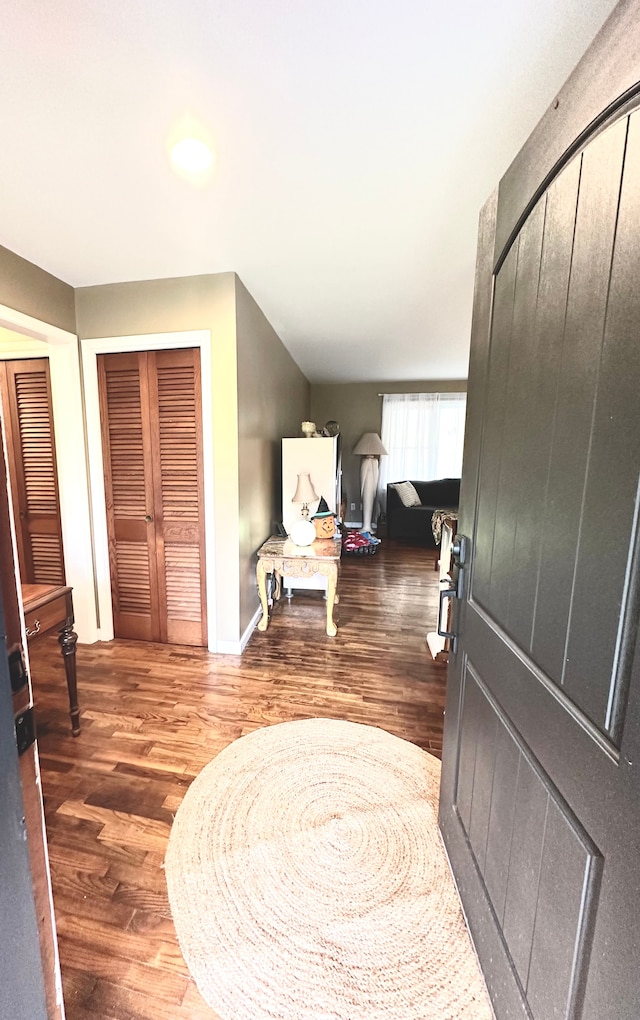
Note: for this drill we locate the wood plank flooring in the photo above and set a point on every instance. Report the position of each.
(154, 715)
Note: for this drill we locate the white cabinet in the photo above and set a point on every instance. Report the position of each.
(321, 460)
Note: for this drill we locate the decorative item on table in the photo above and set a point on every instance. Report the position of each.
(308, 429)
(324, 520)
(331, 429)
(370, 448)
(302, 531)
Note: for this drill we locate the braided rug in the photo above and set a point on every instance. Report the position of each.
(308, 881)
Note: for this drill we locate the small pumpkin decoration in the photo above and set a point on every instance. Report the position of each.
(324, 520)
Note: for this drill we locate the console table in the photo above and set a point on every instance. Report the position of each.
(282, 558)
(49, 607)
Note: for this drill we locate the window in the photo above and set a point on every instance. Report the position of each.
(423, 434)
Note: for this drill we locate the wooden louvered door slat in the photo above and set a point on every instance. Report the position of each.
(26, 396)
(151, 415)
(124, 412)
(176, 416)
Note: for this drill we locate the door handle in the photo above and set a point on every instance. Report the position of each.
(148, 518)
(460, 550)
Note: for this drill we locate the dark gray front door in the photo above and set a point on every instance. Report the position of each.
(21, 983)
(540, 805)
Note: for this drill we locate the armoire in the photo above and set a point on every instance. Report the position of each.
(320, 457)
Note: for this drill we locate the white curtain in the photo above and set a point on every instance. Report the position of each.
(423, 434)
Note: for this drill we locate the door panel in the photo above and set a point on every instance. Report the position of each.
(124, 412)
(540, 868)
(542, 352)
(152, 439)
(132, 610)
(538, 587)
(540, 802)
(27, 925)
(549, 442)
(26, 395)
(180, 494)
(596, 674)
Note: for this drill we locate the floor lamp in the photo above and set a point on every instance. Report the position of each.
(370, 448)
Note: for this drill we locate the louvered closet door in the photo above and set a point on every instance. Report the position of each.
(26, 398)
(152, 441)
(177, 434)
(124, 413)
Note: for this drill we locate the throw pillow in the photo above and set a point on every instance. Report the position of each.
(407, 493)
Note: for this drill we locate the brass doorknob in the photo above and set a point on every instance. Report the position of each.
(148, 518)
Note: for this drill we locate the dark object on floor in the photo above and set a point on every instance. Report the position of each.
(414, 522)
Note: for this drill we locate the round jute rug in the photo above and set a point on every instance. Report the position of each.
(308, 881)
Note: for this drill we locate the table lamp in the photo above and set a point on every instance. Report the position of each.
(369, 447)
(303, 532)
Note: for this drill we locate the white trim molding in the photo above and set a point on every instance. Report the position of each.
(238, 647)
(61, 348)
(90, 349)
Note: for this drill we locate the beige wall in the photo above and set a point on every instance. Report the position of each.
(31, 290)
(273, 398)
(39, 305)
(357, 407)
(259, 396)
(173, 305)
(256, 390)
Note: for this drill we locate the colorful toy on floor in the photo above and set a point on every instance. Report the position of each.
(355, 543)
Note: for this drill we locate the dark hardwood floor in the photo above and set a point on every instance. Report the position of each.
(154, 715)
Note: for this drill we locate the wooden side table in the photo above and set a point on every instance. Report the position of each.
(50, 607)
(281, 557)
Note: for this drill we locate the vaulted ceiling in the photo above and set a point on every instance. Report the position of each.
(355, 142)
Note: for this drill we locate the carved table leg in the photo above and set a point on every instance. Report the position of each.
(261, 577)
(68, 640)
(277, 591)
(332, 584)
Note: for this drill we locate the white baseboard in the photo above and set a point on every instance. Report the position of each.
(238, 647)
(221, 648)
(227, 648)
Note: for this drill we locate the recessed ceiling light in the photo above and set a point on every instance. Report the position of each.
(192, 155)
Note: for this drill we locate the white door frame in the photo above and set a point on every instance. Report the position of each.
(42, 340)
(90, 349)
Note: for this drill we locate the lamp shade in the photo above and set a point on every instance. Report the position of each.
(305, 492)
(369, 445)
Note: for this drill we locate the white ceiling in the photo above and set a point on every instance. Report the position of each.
(356, 141)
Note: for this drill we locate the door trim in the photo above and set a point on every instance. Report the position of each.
(200, 338)
(41, 339)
